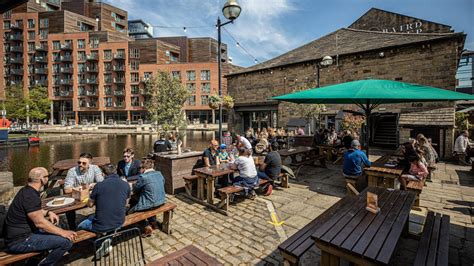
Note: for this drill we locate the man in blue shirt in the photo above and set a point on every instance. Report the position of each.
(354, 159)
(129, 167)
(110, 199)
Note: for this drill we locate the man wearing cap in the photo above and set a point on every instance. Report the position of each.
(354, 159)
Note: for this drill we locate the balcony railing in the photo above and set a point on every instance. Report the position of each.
(91, 93)
(41, 59)
(41, 48)
(119, 80)
(92, 81)
(81, 70)
(16, 60)
(57, 59)
(82, 81)
(16, 26)
(119, 68)
(66, 82)
(66, 70)
(42, 71)
(92, 69)
(92, 57)
(16, 71)
(107, 81)
(17, 49)
(41, 82)
(16, 82)
(66, 58)
(119, 56)
(66, 46)
(119, 92)
(118, 104)
(16, 37)
(65, 93)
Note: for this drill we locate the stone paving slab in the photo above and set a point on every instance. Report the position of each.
(246, 237)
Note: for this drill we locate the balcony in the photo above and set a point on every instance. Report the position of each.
(119, 68)
(92, 69)
(41, 48)
(41, 59)
(66, 58)
(107, 81)
(119, 104)
(16, 71)
(66, 82)
(119, 80)
(92, 81)
(41, 82)
(16, 49)
(64, 93)
(16, 83)
(81, 70)
(92, 57)
(88, 104)
(16, 26)
(66, 70)
(41, 71)
(119, 92)
(66, 46)
(57, 59)
(82, 81)
(119, 56)
(15, 37)
(92, 93)
(16, 60)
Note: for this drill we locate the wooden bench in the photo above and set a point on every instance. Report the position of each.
(166, 209)
(433, 248)
(189, 256)
(226, 192)
(417, 187)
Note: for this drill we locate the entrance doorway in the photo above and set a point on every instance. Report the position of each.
(259, 119)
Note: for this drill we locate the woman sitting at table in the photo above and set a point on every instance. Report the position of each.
(417, 172)
(247, 173)
(428, 152)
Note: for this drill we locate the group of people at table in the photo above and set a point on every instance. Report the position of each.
(29, 228)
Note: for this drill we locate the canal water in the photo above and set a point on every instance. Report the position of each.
(20, 160)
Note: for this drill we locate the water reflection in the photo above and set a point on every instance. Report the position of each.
(20, 160)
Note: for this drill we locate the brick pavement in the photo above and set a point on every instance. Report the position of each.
(246, 236)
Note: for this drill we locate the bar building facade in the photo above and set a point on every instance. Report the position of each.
(94, 71)
(379, 45)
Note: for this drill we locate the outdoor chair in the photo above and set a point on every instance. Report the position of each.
(120, 248)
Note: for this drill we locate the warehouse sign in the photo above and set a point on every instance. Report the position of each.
(414, 27)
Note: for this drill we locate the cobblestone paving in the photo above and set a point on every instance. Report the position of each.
(246, 237)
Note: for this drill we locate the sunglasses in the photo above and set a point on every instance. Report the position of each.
(127, 156)
(81, 163)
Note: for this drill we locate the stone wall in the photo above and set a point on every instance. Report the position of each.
(6, 187)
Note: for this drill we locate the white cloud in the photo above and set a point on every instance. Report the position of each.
(258, 28)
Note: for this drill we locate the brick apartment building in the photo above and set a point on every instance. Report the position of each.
(379, 45)
(94, 71)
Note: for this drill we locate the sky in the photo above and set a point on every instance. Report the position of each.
(268, 28)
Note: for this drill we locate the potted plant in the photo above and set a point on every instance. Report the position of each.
(214, 102)
(228, 102)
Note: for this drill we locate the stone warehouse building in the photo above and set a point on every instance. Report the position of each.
(81, 51)
(379, 45)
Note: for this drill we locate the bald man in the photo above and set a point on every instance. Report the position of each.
(209, 157)
(29, 228)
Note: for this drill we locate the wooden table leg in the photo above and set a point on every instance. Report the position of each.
(200, 188)
(210, 190)
(372, 180)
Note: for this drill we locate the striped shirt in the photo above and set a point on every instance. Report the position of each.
(75, 177)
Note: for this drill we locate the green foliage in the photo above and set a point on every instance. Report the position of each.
(352, 122)
(165, 100)
(214, 102)
(37, 101)
(228, 101)
(462, 121)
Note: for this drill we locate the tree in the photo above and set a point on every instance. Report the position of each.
(38, 102)
(165, 99)
(306, 111)
(15, 103)
(34, 104)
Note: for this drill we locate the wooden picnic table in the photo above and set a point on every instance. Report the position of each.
(76, 205)
(189, 255)
(293, 152)
(348, 231)
(329, 150)
(380, 175)
(210, 174)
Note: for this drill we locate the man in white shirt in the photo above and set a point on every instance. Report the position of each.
(247, 172)
(460, 148)
(245, 143)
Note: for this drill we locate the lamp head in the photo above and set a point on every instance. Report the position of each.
(327, 61)
(231, 10)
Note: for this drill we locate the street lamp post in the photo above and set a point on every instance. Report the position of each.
(231, 11)
(326, 61)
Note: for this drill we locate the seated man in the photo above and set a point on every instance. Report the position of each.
(85, 173)
(210, 156)
(148, 193)
(247, 172)
(271, 166)
(27, 230)
(162, 144)
(354, 159)
(110, 199)
(129, 167)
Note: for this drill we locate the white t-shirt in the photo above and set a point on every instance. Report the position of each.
(246, 143)
(246, 166)
(461, 144)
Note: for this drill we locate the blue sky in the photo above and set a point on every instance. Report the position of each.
(268, 28)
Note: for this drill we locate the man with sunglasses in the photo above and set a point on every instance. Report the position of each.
(84, 173)
(129, 167)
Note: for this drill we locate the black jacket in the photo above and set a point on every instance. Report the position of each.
(133, 172)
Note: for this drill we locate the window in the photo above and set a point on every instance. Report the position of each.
(81, 55)
(31, 23)
(192, 100)
(44, 23)
(206, 88)
(19, 23)
(135, 89)
(176, 75)
(134, 53)
(81, 67)
(108, 78)
(107, 54)
(108, 66)
(174, 57)
(31, 47)
(43, 34)
(56, 68)
(135, 101)
(134, 65)
(81, 44)
(204, 99)
(56, 45)
(6, 25)
(108, 101)
(191, 75)
(191, 87)
(205, 75)
(56, 57)
(94, 43)
(31, 35)
(134, 77)
(147, 75)
(119, 101)
(120, 53)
